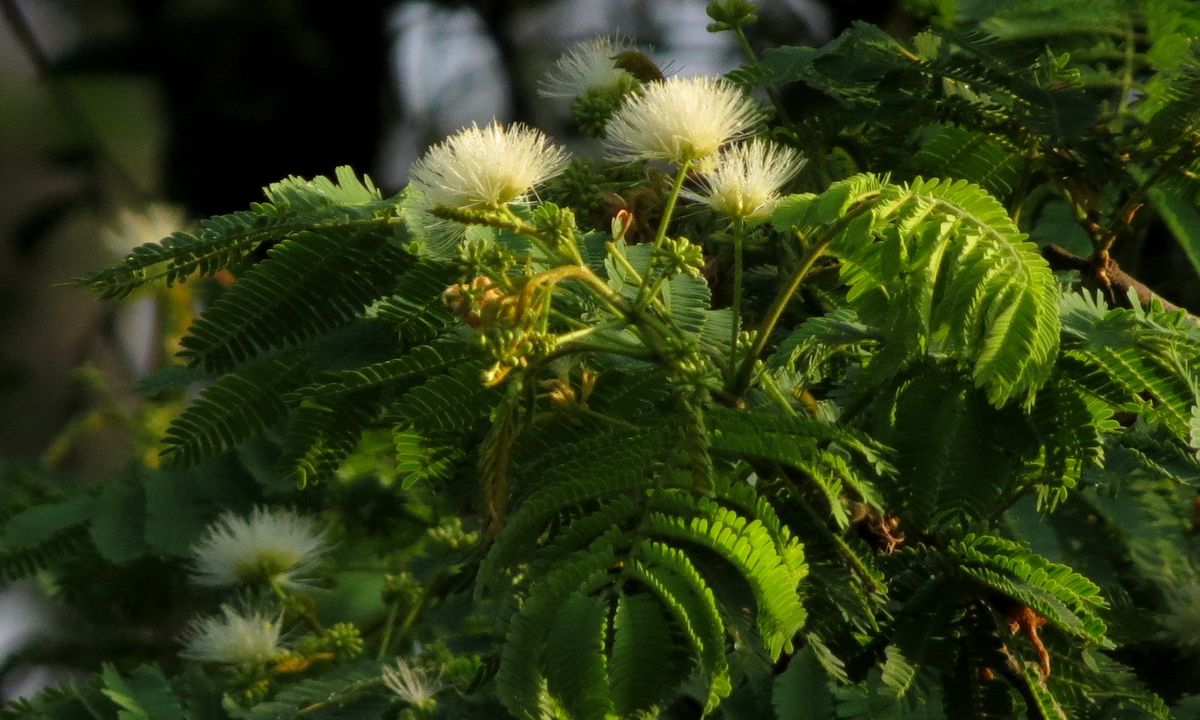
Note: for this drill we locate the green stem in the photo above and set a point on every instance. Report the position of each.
(653, 330)
(1124, 214)
(567, 319)
(739, 233)
(632, 272)
(385, 642)
(742, 379)
(752, 56)
(668, 210)
(296, 605)
(773, 390)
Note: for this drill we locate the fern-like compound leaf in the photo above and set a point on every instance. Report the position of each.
(236, 407)
(1068, 600)
(312, 282)
(576, 660)
(228, 241)
(939, 267)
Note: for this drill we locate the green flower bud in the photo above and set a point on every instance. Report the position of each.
(730, 14)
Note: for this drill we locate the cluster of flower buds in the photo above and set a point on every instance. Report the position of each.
(511, 347)
(480, 302)
(402, 588)
(508, 323)
(680, 255)
(693, 367)
(452, 537)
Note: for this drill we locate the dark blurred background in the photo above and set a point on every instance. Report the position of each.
(120, 119)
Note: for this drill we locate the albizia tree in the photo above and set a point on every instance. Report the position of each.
(843, 409)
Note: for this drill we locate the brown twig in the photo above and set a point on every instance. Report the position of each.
(1109, 275)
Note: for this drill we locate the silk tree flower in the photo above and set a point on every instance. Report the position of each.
(271, 546)
(132, 228)
(489, 166)
(744, 180)
(587, 66)
(680, 120)
(232, 638)
(410, 684)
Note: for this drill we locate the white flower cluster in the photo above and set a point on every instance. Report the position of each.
(744, 180)
(277, 547)
(232, 638)
(410, 684)
(132, 228)
(271, 546)
(680, 120)
(684, 121)
(587, 66)
(489, 166)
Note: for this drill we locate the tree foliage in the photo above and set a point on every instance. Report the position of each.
(886, 452)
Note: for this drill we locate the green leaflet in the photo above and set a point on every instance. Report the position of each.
(1069, 600)
(324, 431)
(801, 692)
(828, 454)
(416, 308)
(236, 407)
(590, 475)
(641, 661)
(968, 693)
(957, 457)
(938, 267)
(355, 687)
(748, 548)
(520, 682)
(576, 664)
(229, 240)
(312, 282)
(388, 375)
(144, 696)
(448, 402)
(681, 588)
(981, 159)
(44, 534)
(420, 458)
(1137, 360)
(686, 299)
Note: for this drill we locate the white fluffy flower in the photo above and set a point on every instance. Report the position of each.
(586, 66)
(411, 685)
(487, 166)
(680, 119)
(743, 181)
(274, 546)
(132, 228)
(232, 638)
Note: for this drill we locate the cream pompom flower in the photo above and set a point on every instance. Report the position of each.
(680, 120)
(589, 65)
(487, 166)
(271, 546)
(744, 180)
(133, 228)
(232, 638)
(411, 684)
